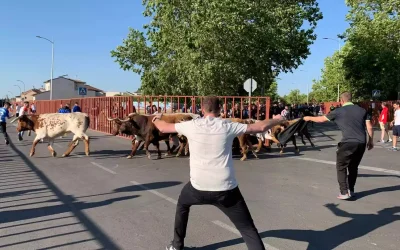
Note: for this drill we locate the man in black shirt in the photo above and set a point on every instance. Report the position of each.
(353, 121)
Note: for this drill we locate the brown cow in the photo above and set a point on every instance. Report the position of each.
(244, 140)
(144, 130)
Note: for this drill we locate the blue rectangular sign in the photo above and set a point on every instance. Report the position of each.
(82, 91)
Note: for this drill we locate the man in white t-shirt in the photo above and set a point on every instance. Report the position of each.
(212, 176)
(396, 125)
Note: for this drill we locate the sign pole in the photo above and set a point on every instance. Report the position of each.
(251, 86)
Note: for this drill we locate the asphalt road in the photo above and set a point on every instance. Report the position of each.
(106, 201)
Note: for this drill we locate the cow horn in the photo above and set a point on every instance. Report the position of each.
(194, 116)
(124, 120)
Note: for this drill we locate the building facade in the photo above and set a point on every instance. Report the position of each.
(67, 88)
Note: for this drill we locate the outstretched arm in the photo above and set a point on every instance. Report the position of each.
(263, 126)
(370, 131)
(164, 127)
(318, 119)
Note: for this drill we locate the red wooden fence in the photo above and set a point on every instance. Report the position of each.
(99, 108)
(374, 105)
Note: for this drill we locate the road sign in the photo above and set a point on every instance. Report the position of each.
(82, 91)
(376, 93)
(250, 85)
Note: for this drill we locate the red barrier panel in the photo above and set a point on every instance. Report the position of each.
(99, 108)
(376, 106)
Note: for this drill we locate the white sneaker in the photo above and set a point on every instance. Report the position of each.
(344, 196)
(171, 247)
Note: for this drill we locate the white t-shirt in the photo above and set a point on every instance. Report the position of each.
(22, 111)
(396, 118)
(210, 144)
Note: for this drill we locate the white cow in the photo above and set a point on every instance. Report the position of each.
(51, 126)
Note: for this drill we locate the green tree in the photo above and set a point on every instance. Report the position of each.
(212, 47)
(333, 75)
(370, 58)
(374, 58)
(271, 91)
(295, 97)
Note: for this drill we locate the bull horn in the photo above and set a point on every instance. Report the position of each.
(194, 116)
(124, 120)
(14, 119)
(111, 119)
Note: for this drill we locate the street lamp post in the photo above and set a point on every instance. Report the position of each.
(11, 93)
(52, 65)
(22, 83)
(338, 88)
(20, 91)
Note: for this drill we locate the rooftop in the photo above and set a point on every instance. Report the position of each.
(74, 80)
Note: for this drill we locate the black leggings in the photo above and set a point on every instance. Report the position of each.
(230, 202)
(348, 157)
(3, 127)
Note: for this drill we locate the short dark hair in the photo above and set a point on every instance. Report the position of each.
(7, 103)
(26, 102)
(346, 96)
(211, 104)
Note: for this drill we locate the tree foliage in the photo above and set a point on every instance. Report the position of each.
(271, 91)
(333, 75)
(370, 58)
(212, 47)
(374, 59)
(295, 97)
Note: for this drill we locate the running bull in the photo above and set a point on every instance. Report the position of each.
(51, 126)
(142, 127)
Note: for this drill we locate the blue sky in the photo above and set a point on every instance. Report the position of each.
(85, 31)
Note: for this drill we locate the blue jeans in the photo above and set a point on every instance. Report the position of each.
(21, 134)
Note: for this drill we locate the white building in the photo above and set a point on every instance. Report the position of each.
(67, 88)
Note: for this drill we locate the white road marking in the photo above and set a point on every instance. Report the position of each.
(155, 192)
(216, 222)
(235, 231)
(104, 168)
(394, 172)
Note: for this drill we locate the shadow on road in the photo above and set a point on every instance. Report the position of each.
(358, 226)
(38, 198)
(68, 204)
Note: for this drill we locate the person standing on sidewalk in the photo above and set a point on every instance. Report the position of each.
(212, 177)
(353, 121)
(4, 114)
(76, 108)
(383, 122)
(396, 127)
(24, 110)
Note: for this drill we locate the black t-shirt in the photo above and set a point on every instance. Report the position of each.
(275, 110)
(351, 121)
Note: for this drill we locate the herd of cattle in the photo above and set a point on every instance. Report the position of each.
(141, 127)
